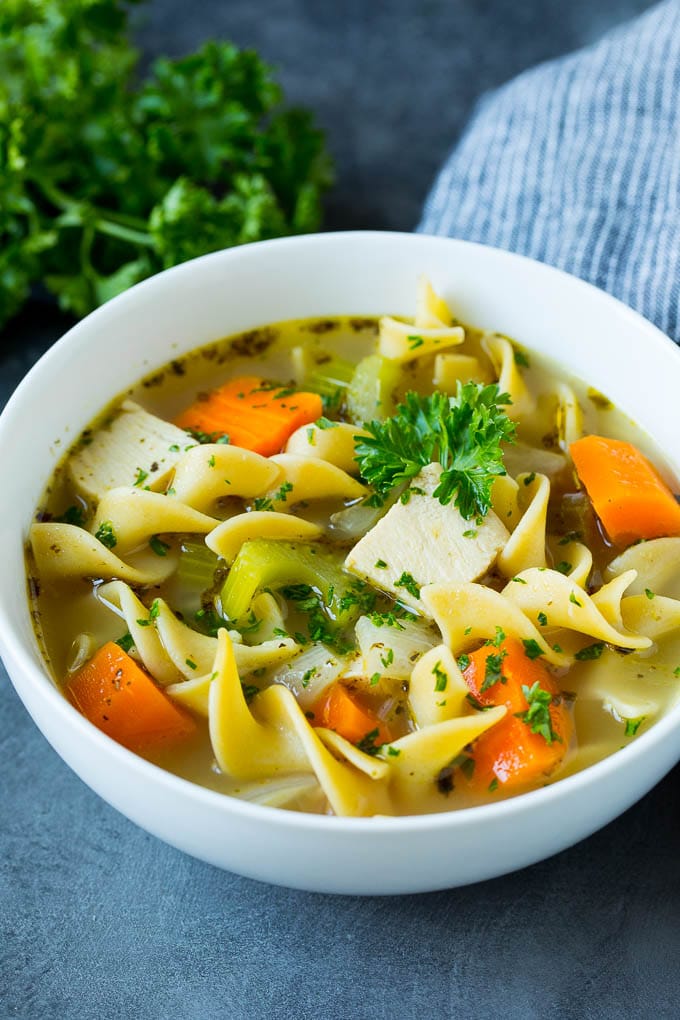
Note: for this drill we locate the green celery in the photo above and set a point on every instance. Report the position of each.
(371, 392)
(195, 575)
(330, 380)
(264, 563)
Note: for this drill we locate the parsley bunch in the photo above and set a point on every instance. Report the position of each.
(104, 179)
(463, 433)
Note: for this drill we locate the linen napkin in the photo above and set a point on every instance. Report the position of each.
(577, 163)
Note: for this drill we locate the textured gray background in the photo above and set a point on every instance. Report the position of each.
(97, 919)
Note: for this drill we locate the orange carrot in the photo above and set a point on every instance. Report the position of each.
(626, 491)
(520, 749)
(255, 414)
(120, 699)
(342, 711)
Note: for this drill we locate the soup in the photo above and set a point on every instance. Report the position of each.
(361, 567)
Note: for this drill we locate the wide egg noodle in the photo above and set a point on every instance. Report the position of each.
(523, 458)
(311, 479)
(656, 563)
(65, 552)
(214, 471)
(656, 618)
(526, 545)
(575, 558)
(566, 605)
(171, 651)
(274, 737)
(405, 341)
(432, 311)
(613, 681)
(136, 515)
(269, 621)
(437, 690)
(504, 500)
(452, 369)
(568, 416)
(422, 755)
(228, 537)
(119, 597)
(469, 613)
(369, 764)
(330, 442)
(510, 378)
(608, 598)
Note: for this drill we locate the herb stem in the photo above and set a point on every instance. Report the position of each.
(118, 225)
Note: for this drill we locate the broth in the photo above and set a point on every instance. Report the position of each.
(594, 689)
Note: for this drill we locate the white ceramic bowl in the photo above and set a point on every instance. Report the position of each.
(596, 337)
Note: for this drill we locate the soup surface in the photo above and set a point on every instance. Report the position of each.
(361, 566)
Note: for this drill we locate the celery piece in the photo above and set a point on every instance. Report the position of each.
(194, 577)
(370, 393)
(323, 373)
(263, 563)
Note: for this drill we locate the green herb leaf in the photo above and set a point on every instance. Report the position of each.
(532, 649)
(493, 670)
(106, 535)
(537, 715)
(158, 547)
(590, 652)
(126, 642)
(407, 581)
(463, 433)
(441, 678)
(108, 176)
(633, 725)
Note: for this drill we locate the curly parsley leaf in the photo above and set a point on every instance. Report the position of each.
(537, 715)
(462, 433)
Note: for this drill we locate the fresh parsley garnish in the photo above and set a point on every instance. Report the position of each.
(590, 652)
(126, 642)
(158, 547)
(537, 715)
(367, 744)
(532, 649)
(408, 582)
(73, 515)
(106, 535)
(493, 670)
(633, 725)
(440, 677)
(462, 433)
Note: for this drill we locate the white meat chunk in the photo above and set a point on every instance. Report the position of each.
(421, 542)
(133, 447)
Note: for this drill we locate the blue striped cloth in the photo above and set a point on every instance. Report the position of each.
(577, 163)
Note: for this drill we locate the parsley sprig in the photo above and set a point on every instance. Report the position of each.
(462, 433)
(109, 175)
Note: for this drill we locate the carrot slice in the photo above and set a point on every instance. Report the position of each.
(342, 711)
(254, 414)
(626, 491)
(120, 699)
(511, 754)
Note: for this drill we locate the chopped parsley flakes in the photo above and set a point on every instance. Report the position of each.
(106, 535)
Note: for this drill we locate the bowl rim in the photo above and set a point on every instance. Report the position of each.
(13, 649)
